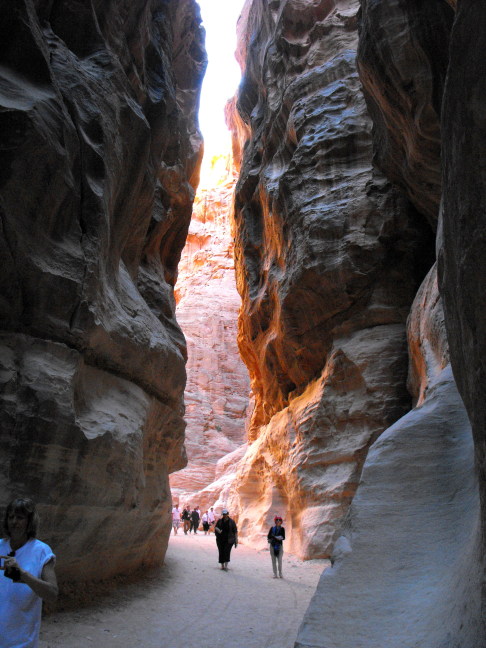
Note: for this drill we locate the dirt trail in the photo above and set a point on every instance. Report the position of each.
(190, 603)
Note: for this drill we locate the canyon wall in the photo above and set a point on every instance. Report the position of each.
(409, 567)
(329, 256)
(98, 167)
(337, 219)
(217, 390)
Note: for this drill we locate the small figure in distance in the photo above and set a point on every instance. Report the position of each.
(276, 536)
(211, 519)
(27, 576)
(176, 518)
(195, 520)
(205, 522)
(226, 534)
(186, 518)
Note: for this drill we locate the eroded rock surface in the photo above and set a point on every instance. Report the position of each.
(217, 390)
(402, 58)
(99, 164)
(329, 257)
(406, 571)
(409, 567)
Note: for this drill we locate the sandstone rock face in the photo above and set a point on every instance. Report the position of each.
(402, 59)
(405, 572)
(328, 257)
(409, 567)
(218, 386)
(462, 258)
(427, 340)
(406, 567)
(99, 163)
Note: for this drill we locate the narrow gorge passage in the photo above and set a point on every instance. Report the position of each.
(190, 601)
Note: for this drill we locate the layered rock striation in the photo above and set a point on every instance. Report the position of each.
(217, 390)
(99, 164)
(329, 256)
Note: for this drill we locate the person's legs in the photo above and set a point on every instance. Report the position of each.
(221, 554)
(279, 560)
(274, 562)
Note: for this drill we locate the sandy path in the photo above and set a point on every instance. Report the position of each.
(190, 602)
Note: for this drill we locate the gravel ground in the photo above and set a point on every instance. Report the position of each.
(190, 602)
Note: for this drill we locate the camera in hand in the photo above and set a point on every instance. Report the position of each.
(12, 572)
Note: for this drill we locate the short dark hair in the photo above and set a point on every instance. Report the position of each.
(25, 506)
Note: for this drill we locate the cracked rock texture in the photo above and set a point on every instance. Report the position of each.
(329, 256)
(217, 390)
(98, 167)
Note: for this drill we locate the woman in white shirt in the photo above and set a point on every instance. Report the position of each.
(28, 576)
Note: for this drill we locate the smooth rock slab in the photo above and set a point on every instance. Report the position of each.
(405, 571)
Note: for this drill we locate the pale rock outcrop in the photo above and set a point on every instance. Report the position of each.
(217, 389)
(328, 259)
(405, 572)
(98, 167)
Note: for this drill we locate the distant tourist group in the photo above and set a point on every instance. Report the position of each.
(226, 533)
(192, 520)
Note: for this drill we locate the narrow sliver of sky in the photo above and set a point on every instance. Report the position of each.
(223, 72)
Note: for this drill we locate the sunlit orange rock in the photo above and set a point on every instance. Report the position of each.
(217, 390)
(427, 339)
(328, 258)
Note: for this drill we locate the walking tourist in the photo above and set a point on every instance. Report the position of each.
(211, 519)
(205, 522)
(276, 536)
(226, 536)
(195, 520)
(176, 518)
(186, 518)
(28, 576)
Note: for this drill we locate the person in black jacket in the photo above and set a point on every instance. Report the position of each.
(276, 536)
(194, 520)
(226, 534)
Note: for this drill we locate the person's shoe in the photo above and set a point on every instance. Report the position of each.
(281, 575)
(275, 576)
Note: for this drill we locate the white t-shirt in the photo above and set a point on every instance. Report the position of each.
(211, 516)
(176, 514)
(20, 608)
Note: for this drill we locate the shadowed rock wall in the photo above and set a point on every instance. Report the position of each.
(98, 167)
(462, 260)
(329, 257)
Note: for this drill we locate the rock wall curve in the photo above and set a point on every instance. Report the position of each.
(99, 164)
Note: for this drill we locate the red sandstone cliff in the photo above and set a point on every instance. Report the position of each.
(99, 163)
(217, 390)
